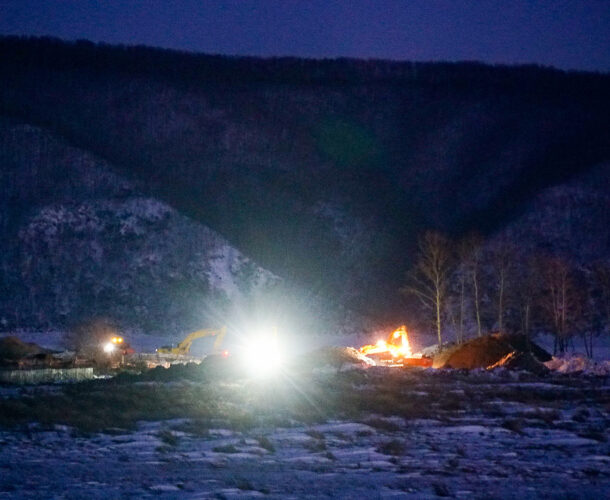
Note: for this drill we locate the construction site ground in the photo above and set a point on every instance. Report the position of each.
(337, 430)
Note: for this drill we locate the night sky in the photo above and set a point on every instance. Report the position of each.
(572, 34)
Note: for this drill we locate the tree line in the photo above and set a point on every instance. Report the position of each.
(468, 287)
(194, 68)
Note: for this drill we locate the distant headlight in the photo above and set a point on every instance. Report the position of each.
(109, 347)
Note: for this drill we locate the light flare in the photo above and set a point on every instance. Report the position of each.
(263, 355)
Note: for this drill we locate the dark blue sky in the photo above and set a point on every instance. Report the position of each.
(569, 34)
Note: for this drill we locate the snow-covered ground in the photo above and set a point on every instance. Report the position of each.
(425, 459)
(478, 435)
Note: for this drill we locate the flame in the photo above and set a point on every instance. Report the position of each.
(397, 345)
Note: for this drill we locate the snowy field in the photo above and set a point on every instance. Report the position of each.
(375, 433)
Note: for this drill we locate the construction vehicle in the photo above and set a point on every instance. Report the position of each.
(395, 351)
(117, 344)
(184, 347)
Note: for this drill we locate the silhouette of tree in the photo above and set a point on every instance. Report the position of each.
(429, 280)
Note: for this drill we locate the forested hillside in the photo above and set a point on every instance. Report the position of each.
(320, 173)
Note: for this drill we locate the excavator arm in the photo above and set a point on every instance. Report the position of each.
(184, 347)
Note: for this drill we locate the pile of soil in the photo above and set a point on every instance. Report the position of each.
(522, 344)
(521, 361)
(489, 351)
(333, 359)
(442, 354)
(11, 349)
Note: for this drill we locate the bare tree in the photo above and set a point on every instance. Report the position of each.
(429, 279)
(459, 287)
(455, 307)
(502, 259)
(560, 300)
(601, 280)
(599, 304)
(471, 255)
(528, 276)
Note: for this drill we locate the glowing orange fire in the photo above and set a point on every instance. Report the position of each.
(396, 346)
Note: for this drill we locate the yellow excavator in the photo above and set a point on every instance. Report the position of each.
(184, 347)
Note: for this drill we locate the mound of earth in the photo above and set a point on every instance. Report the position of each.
(521, 361)
(441, 355)
(333, 359)
(490, 350)
(12, 348)
(522, 344)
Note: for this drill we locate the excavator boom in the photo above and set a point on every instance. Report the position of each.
(184, 347)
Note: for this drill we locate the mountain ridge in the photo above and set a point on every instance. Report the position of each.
(324, 172)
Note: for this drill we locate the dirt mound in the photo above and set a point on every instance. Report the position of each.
(440, 356)
(11, 348)
(489, 350)
(521, 361)
(477, 353)
(522, 344)
(333, 359)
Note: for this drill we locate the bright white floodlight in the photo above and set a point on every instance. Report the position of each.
(262, 355)
(109, 347)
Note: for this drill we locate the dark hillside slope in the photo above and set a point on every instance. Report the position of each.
(83, 242)
(324, 171)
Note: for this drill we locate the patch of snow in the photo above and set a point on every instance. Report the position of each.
(342, 427)
(571, 441)
(164, 488)
(380, 464)
(571, 363)
(478, 429)
(601, 346)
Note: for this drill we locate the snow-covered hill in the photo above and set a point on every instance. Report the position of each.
(95, 246)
